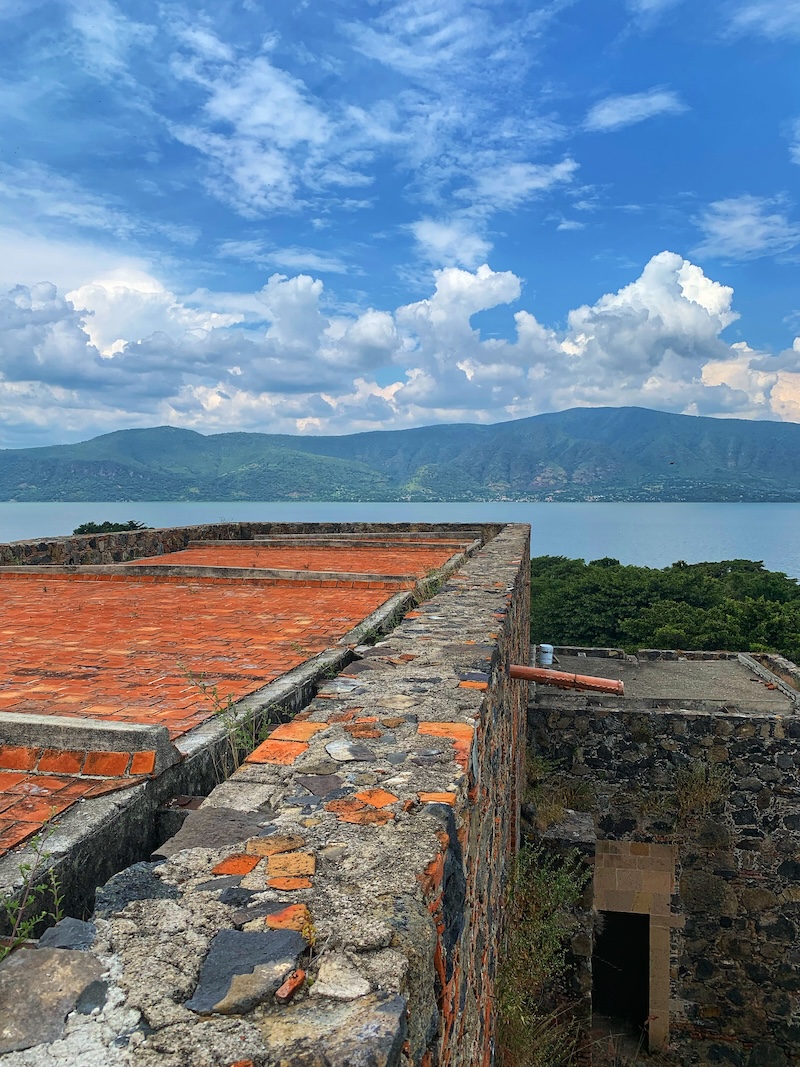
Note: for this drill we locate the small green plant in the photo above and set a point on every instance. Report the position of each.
(301, 650)
(552, 792)
(699, 787)
(20, 913)
(535, 1028)
(309, 932)
(333, 670)
(244, 732)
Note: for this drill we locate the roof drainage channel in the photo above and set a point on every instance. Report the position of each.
(399, 537)
(134, 570)
(334, 542)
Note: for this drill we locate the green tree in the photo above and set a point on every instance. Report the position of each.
(733, 604)
(109, 527)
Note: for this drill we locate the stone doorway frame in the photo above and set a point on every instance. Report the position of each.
(639, 877)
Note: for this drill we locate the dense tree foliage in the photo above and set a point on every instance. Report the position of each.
(109, 527)
(735, 604)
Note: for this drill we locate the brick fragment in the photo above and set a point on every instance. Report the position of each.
(457, 731)
(289, 883)
(14, 833)
(377, 798)
(107, 764)
(343, 716)
(282, 753)
(437, 798)
(143, 763)
(293, 917)
(367, 816)
(273, 844)
(344, 804)
(291, 864)
(297, 731)
(40, 785)
(295, 981)
(36, 809)
(363, 731)
(91, 787)
(240, 863)
(61, 761)
(7, 780)
(18, 758)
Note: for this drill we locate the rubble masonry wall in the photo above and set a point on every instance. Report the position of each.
(734, 964)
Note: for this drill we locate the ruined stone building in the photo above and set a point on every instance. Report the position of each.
(277, 773)
(692, 797)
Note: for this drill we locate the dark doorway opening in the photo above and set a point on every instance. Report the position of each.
(621, 967)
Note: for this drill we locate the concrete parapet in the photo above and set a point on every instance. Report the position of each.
(89, 735)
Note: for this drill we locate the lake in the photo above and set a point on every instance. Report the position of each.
(653, 535)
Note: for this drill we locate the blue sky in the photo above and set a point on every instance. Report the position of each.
(360, 215)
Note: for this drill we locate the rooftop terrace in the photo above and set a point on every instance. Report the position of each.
(170, 641)
(695, 681)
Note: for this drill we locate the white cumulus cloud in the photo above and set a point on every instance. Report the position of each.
(453, 242)
(794, 141)
(124, 350)
(127, 305)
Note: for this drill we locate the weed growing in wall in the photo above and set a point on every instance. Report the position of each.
(699, 787)
(551, 791)
(244, 732)
(19, 914)
(533, 1030)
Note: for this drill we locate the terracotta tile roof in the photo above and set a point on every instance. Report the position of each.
(169, 650)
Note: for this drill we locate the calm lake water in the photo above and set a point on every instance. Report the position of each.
(653, 535)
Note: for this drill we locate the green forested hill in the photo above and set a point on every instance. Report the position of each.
(582, 454)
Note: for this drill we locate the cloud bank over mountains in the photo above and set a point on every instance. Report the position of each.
(377, 213)
(125, 351)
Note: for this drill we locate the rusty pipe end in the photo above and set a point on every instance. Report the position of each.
(564, 680)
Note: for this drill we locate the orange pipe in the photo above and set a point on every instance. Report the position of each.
(567, 681)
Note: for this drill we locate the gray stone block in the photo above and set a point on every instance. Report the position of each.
(243, 969)
(214, 828)
(38, 989)
(134, 883)
(69, 933)
(368, 1032)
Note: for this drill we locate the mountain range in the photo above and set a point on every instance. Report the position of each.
(580, 454)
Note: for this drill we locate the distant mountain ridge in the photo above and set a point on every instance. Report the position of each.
(580, 454)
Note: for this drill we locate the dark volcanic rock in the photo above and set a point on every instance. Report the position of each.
(134, 883)
(242, 969)
(69, 933)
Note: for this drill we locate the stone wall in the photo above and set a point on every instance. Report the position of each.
(338, 900)
(721, 792)
(120, 547)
